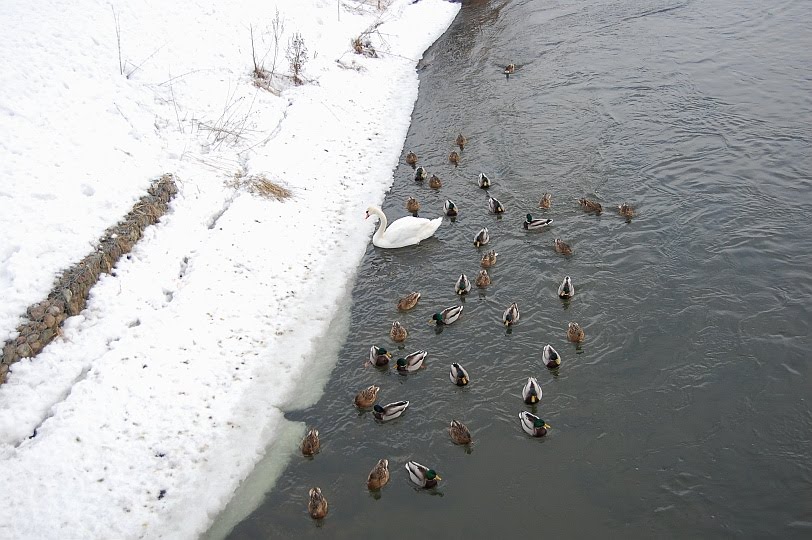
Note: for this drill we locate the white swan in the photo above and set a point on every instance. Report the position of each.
(402, 232)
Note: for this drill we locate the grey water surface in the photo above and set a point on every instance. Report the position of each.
(686, 412)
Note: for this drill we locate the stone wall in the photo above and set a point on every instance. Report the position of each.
(70, 292)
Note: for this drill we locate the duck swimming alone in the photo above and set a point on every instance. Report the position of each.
(435, 182)
(412, 205)
(390, 411)
(531, 392)
(533, 425)
(447, 316)
(530, 223)
(398, 332)
(483, 181)
(411, 159)
(590, 206)
(550, 357)
(495, 207)
(409, 301)
(459, 432)
(511, 315)
(450, 208)
(462, 286)
(421, 475)
(482, 237)
(366, 397)
(575, 333)
(458, 375)
(626, 211)
(412, 362)
(483, 279)
(566, 289)
(461, 140)
(379, 475)
(311, 443)
(510, 69)
(420, 174)
(562, 247)
(454, 158)
(546, 201)
(378, 356)
(316, 504)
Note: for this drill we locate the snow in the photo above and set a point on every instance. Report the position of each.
(160, 398)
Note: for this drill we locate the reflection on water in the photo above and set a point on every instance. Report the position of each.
(685, 412)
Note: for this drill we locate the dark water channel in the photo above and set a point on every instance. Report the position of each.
(686, 412)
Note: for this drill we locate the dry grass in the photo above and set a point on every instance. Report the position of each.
(258, 184)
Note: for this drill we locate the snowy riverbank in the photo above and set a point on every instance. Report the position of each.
(160, 398)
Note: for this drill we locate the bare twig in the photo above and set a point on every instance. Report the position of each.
(118, 40)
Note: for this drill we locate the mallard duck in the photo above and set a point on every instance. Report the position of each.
(483, 181)
(626, 211)
(482, 237)
(458, 375)
(378, 356)
(461, 140)
(447, 316)
(450, 208)
(411, 159)
(489, 259)
(409, 301)
(566, 289)
(530, 223)
(311, 444)
(379, 475)
(420, 174)
(546, 201)
(398, 332)
(389, 411)
(459, 432)
(483, 279)
(317, 504)
(412, 362)
(562, 247)
(510, 69)
(422, 475)
(412, 205)
(575, 333)
(511, 315)
(533, 425)
(366, 397)
(454, 158)
(495, 207)
(590, 206)
(462, 286)
(550, 357)
(531, 393)
(435, 182)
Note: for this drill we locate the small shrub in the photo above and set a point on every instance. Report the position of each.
(297, 56)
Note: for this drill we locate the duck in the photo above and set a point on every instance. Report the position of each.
(550, 357)
(412, 205)
(462, 286)
(459, 432)
(316, 504)
(546, 201)
(483, 181)
(420, 174)
(398, 332)
(510, 69)
(483, 279)
(590, 206)
(461, 140)
(489, 259)
(533, 425)
(435, 182)
(447, 316)
(454, 158)
(379, 475)
(495, 207)
(575, 333)
(450, 208)
(406, 231)
(311, 444)
(366, 397)
(378, 356)
(562, 247)
(458, 375)
(421, 475)
(390, 411)
(482, 237)
(566, 289)
(530, 223)
(412, 362)
(531, 393)
(411, 159)
(626, 211)
(511, 315)
(409, 301)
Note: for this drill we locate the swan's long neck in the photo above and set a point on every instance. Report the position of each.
(382, 229)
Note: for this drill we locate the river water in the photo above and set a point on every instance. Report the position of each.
(686, 411)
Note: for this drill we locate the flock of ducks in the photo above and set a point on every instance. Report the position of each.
(421, 475)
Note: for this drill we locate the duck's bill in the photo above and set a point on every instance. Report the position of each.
(547, 426)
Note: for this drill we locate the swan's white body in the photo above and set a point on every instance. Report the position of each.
(406, 231)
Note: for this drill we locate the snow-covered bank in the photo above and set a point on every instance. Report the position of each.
(164, 393)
